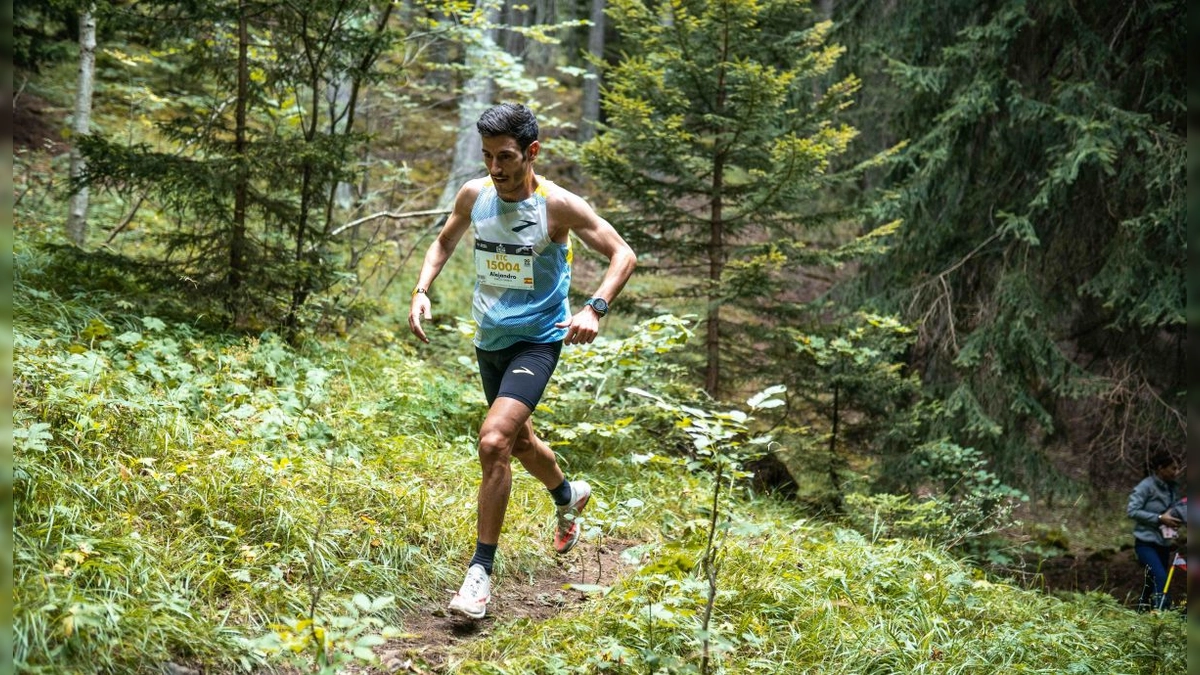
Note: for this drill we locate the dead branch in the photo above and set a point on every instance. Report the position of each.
(388, 214)
(126, 220)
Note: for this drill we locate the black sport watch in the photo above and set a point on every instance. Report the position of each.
(600, 305)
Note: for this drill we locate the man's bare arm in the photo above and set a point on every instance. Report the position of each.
(437, 255)
(600, 236)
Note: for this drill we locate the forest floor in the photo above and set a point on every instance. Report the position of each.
(36, 125)
(431, 633)
(1116, 572)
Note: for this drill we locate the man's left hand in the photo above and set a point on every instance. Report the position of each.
(581, 328)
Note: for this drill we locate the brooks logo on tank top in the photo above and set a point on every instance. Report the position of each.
(521, 276)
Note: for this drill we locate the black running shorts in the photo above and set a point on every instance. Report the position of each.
(520, 371)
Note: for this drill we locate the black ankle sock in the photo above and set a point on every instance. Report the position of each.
(562, 493)
(485, 554)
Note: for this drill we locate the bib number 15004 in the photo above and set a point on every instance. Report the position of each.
(504, 266)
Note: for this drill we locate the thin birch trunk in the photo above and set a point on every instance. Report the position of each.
(81, 125)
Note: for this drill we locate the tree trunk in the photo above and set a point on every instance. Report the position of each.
(716, 243)
(716, 263)
(834, 464)
(347, 127)
(81, 124)
(540, 57)
(237, 234)
(476, 97)
(517, 14)
(591, 84)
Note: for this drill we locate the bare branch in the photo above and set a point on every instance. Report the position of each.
(20, 90)
(388, 214)
(126, 220)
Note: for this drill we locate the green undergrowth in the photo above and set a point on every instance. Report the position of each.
(804, 597)
(190, 496)
(236, 503)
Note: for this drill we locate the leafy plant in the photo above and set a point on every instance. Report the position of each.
(722, 445)
(852, 378)
(958, 502)
(588, 398)
(335, 640)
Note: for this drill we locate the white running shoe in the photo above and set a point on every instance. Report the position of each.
(566, 530)
(471, 600)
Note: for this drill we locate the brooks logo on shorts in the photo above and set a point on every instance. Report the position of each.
(523, 371)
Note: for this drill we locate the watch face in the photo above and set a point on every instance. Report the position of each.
(599, 305)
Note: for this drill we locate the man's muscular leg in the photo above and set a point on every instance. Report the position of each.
(507, 432)
(497, 438)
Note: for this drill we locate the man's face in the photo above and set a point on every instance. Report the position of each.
(1169, 472)
(507, 166)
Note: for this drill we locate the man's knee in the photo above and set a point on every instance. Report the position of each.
(495, 444)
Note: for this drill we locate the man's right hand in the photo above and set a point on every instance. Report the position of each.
(421, 308)
(1169, 520)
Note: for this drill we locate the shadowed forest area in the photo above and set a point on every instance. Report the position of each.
(907, 328)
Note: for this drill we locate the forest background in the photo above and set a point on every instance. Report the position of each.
(913, 271)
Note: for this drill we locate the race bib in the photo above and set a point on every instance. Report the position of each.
(504, 265)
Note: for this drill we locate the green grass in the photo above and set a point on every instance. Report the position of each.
(811, 598)
(186, 495)
(177, 493)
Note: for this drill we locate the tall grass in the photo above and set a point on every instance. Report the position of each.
(802, 597)
(179, 493)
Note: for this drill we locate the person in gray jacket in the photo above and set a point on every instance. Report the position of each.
(1155, 525)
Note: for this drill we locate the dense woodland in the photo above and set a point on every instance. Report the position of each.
(908, 318)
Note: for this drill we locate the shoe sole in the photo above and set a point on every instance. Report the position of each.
(462, 611)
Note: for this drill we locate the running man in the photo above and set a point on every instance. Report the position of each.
(521, 224)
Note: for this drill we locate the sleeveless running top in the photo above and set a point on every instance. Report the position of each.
(521, 275)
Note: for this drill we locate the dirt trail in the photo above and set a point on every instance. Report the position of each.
(1116, 572)
(433, 633)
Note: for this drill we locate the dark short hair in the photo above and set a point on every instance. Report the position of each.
(509, 119)
(1158, 460)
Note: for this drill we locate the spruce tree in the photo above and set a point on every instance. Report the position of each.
(721, 130)
(259, 132)
(1043, 249)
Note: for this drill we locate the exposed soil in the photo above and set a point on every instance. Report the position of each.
(433, 633)
(1117, 573)
(36, 125)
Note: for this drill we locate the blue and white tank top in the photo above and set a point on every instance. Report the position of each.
(521, 275)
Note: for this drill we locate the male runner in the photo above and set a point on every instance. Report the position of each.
(522, 225)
